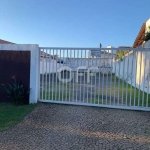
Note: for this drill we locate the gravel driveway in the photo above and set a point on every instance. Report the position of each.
(66, 127)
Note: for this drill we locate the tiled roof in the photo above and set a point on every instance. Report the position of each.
(140, 37)
(5, 42)
(42, 54)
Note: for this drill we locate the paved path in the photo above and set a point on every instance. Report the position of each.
(66, 127)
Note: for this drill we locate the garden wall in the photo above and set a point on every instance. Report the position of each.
(135, 68)
(50, 65)
(21, 60)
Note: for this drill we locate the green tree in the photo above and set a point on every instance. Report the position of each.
(120, 54)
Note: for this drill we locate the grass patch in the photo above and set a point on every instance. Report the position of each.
(55, 95)
(115, 92)
(124, 93)
(10, 114)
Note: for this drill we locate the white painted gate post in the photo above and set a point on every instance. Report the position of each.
(34, 66)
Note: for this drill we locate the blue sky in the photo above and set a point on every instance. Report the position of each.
(72, 23)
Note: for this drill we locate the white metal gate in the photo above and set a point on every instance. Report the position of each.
(114, 78)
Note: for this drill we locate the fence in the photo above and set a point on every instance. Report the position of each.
(94, 77)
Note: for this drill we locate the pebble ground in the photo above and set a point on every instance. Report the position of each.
(67, 127)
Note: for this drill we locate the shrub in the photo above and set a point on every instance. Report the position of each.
(147, 36)
(120, 54)
(16, 91)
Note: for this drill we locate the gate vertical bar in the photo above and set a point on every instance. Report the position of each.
(56, 91)
(139, 91)
(131, 80)
(43, 75)
(111, 58)
(49, 90)
(123, 81)
(66, 75)
(103, 79)
(53, 77)
(119, 84)
(127, 79)
(87, 90)
(46, 76)
(99, 73)
(148, 74)
(115, 82)
(107, 58)
(95, 72)
(77, 76)
(80, 75)
(84, 84)
(63, 85)
(70, 75)
(144, 81)
(60, 75)
(91, 81)
(135, 76)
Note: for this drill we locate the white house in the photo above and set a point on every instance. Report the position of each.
(135, 67)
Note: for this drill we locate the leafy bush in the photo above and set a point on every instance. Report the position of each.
(147, 36)
(120, 54)
(16, 92)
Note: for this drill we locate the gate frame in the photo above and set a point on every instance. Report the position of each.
(99, 105)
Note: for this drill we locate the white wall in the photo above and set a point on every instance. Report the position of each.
(34, 66)
(147, 25)
(135, 68)
(50, 65)
(111, 51)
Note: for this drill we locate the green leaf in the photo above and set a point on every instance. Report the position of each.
(16, 92)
